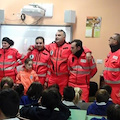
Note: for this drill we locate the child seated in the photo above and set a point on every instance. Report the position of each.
(50, 100)
(109, 90)
(19, 88)
(6, 83)
(68, 97)
(9, 104)
(113, 113)
(27, 75)
(99, 107)
(78, 97)
(33, 94)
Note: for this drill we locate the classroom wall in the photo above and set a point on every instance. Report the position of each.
(107, 9)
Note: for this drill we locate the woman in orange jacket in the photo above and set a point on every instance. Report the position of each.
(10, 58)
(27, 75)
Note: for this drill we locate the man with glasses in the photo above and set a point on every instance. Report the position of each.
(112, 67)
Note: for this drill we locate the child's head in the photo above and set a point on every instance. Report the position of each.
(68, 94)
(113, 112)
(78, 93)
(28, 64)
(19, 88)
(108, 88)
(54, 86)
(50, 98)
(6, 82)
(102, 96)
(9, 103)
(35, 90)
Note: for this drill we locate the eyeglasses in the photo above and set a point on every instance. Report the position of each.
(112, 38)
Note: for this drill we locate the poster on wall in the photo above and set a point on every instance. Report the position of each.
(93, 26)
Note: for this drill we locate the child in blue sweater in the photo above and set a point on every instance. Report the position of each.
(113, 113)
(99, 107)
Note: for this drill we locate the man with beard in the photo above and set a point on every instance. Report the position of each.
(40, 57)
(112, 68)
(59, 53)
(80, 69)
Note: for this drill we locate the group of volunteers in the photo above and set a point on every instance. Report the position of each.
(61, 63)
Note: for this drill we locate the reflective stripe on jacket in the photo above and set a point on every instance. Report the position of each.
(9, 59)
(112, 68)
(58, 57)
(80, 69)
(26, 78)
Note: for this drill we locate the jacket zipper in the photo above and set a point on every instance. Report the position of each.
(4, 63)
(57, 60)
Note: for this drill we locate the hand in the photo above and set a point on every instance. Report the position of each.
(88, 56)
(30, 48)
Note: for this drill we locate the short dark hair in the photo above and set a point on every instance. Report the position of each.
(117, 37)
(9, 102)
(40, 37)
(113, 112)
(19, 88)
(108, 88)
(68, 93)
(35, 90)
(50, 98)
(78, 42)
(54, 86)
(102, 96)
(63, 32)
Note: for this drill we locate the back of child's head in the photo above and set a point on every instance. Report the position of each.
(6, 82)
(35, 90)
(19, 88)
(113, 112)
(9, 102)
(78, 93)
(68, 93)
(108, 88)
(55, 86)
(50, 98)
(102, 96)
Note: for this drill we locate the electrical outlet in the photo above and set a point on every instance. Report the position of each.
(99, 61)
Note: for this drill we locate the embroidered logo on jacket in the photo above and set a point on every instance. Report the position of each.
(51, 52)
(10, 56)
(31, 56)
(83, 60)
(115, 57)
(31, 77)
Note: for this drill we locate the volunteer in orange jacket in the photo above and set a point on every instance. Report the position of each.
(112, 68)
(59, 53)
(10, 58)
(80, 69)
(27, 75)
(40, 57)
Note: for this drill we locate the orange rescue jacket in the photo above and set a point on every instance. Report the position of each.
(26, 78)
(9, 59)
(80, 70)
